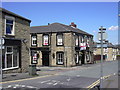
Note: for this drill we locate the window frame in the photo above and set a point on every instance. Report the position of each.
(32, 44)
(43, 39)
(60, 62)
(13, 29)
(12, 53)
(77, 38)
(61, 34)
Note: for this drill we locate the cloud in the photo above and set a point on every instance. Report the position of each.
(94, 31)
(113, 28)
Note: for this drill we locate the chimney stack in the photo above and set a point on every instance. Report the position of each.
(73, 25)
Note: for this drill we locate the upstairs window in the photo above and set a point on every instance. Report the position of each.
(76, 40)
(34, 40)
(46, 40)
(9, 25)
(59, 39)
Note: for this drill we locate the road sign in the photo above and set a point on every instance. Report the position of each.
(2, 41)
(104, 36)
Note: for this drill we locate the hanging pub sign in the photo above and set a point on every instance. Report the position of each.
(45, 40)
(35, 58)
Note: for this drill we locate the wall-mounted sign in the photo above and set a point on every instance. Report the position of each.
(2, 41)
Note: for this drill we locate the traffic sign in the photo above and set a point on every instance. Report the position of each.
(104, 36)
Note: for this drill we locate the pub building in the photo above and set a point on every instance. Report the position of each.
(58, 44)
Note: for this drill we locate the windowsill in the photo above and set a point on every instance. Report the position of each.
(33, 45)
(59, 45)
(60, 64)
(11, 68)
(11, 35)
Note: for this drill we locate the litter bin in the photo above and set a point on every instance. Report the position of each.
(32, 69)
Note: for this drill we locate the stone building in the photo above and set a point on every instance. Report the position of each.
(57, 44)
(15, 37)
(110, 51)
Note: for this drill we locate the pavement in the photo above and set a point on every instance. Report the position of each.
(112, 82)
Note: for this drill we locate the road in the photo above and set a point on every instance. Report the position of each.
(76, 78)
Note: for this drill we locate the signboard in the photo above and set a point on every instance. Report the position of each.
(34, 59)
(104, 36)
(2, 47)
(83, 46)
(2, 41)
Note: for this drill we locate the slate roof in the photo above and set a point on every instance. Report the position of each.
(109, 45)
(56, 27)
(13, 14)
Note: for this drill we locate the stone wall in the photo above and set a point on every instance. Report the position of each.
(22, 30)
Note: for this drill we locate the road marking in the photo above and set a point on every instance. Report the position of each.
(49, 83)
(78, 75)
(45, 81)
(26, 79)
(97, 82)
(55, 84)
(68, 79)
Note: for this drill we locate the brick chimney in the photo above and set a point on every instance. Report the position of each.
(73, 25)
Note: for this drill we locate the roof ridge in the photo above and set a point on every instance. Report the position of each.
(40, 26)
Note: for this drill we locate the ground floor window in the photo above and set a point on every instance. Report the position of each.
(60, 58)
(10, 57)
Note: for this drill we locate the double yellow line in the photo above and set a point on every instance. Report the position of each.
(97, 82)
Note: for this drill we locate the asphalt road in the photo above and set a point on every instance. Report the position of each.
(77, 78)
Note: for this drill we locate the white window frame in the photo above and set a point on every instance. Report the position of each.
(13, 29)
(105, 50)
(12, 59)
(76, 40)
(59, 39)
(34, 38)
(45, 40)
(60, 59)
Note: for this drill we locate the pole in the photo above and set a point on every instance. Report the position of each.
(101, 77)
(1, 74)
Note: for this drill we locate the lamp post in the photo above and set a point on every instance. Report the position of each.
(102, 38)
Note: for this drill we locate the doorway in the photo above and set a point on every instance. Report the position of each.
(45, 58)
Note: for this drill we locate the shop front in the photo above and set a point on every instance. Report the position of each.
(11, 54)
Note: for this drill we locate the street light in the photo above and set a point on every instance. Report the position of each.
(102, 38)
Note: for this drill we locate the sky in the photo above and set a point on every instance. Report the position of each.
(88, 16)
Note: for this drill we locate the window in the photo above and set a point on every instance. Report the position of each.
(60, 58)
(105, 50)
(34, 40)
(45, 40)
(59, 39)
(9, 25)
(76, 40)
(11, 57)
(82, 39)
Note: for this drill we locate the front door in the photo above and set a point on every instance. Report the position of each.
(45, 58)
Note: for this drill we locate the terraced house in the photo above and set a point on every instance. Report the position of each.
(57, 44)
(15, 35)
(110, 52)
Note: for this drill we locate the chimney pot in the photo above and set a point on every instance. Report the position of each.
(73, 25)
